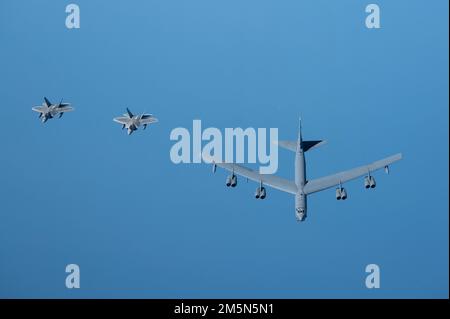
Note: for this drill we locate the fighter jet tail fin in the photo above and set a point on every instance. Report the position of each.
(47, 102)
(129, 113)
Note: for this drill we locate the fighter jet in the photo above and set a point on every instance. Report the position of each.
(132, 122)
(301, 187)
(49, 110)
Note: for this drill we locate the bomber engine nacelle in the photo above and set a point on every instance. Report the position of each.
(369, 182)
(260, 193)
(231, 181)
(228, 181)
(366, 182)
(373, 184)
(341, 193)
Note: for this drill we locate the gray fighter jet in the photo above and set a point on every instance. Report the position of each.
(132, 122)
(301, 187)
(48, 110)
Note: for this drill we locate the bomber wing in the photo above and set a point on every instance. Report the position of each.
(323, 183)
(266, 179)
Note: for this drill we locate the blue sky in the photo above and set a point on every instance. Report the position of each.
(78, 190)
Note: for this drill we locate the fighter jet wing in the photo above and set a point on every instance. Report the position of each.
(148, 120)
(121, 119)
(65, 108)
(266, 179)
(320, 184)
(40, 109)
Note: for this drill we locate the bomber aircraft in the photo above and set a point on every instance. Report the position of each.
(301, 187)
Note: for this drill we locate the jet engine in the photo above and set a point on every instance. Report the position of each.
(369, 182)
(366, 182)
(260, 193)
(373, 184)
(228, 181)
(231, 181)
(341, 193)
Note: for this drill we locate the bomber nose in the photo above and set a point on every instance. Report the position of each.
(301, 215)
